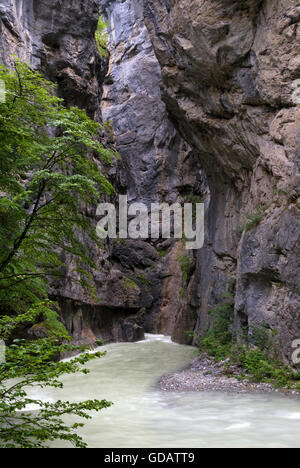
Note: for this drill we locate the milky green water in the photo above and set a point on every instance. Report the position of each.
(145, 416)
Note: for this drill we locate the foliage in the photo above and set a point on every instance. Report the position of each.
(144, 280)
(101, 37)
(258, 335)
(49, 180)
(31, 364)
(252, 356)
(46, 179)
(163, 253)
(185, 265)
(218, 339)
(262, 368)
(130, 285)
(254, 220)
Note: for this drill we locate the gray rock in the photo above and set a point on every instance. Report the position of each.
(243, 54)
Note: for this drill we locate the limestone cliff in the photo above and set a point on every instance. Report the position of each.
(58, 39)
(159, 166)
(230, 72)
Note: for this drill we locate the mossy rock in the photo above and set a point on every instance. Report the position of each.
(130, 285)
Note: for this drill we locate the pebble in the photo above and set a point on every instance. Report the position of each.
(204, 374)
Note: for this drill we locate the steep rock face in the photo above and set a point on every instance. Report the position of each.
(57, 38)
(204, 100)
(159, 165)
(146, 138)
(230, 72)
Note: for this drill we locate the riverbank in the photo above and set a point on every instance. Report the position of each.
(144, 416)
(205, 374)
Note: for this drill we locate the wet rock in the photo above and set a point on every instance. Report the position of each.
(132, 331)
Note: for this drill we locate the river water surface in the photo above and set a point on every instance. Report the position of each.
(145, 416)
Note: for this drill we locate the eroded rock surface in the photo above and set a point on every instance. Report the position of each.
(230, 72)
(58, 39)
(159, 166)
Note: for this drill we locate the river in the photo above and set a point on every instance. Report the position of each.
(145, 416)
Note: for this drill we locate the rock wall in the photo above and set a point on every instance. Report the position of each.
(57, 38)
(159, 166)
(230, 72)
(204, 100)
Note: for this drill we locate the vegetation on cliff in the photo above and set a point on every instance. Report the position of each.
(249, 348)
(101, 37)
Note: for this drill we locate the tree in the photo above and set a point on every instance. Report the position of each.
(46, 179)
(33, 363)
(49, 179)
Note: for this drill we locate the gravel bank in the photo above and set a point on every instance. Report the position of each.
(204, 374)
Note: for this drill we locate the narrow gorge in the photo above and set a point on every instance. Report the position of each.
(173, 104)
(202, 98)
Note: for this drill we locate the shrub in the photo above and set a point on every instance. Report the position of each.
(219, 343)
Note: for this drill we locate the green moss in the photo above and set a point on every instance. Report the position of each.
(193, 198)
(53, 324)
(163, 253)
(185, 265)
(101, 37)
(130, 285)
(121, 241)
(52, 327)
